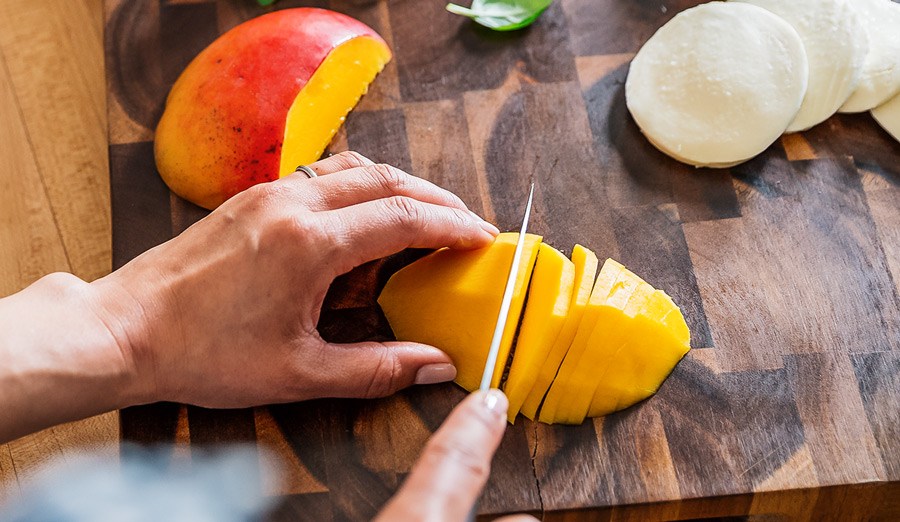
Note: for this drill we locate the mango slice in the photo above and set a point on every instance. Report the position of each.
(585, 263)
(546, 309)
(608, 283)
(605, 343)
(655, 340)
(450, 299)
(321, 107)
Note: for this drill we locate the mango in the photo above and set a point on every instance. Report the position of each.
(263, 98)
(585, 347)
(547, 307)
(450, 299)
(654, 341)
(610, 283)
(585, 263)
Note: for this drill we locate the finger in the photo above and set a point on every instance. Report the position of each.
(373, 369)
(517, 518)
(376, 181)
(340, 161)
(376, 229)
(448, 478)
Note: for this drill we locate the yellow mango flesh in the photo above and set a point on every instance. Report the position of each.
(655, 340)
(450, 299)
(609, 283)
(585, 263)
(321, 106)
(605, 343)
(671, 317)
(592, 349)
(546, 309)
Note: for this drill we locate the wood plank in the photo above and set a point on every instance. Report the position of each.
(439, 149)
(58, 83)
(843, 433)
(139, 200)
(883, 207)
(745, 344)
(134, 80)
(9, 483)
(602, 27)
(290, 476)
(878, 375)
(380, 136)
(32, 245)
(441, 55)
(790, 207)
(40, 210)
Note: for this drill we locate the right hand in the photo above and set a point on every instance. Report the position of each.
(447, 480)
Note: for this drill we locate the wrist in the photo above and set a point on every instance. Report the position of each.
(61, 361)
(127, 318)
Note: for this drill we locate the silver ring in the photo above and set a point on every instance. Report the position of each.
(310, 173)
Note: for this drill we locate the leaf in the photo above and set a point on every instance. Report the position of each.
(502, 15)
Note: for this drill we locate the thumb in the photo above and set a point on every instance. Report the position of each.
(373, 369)
(448, 478)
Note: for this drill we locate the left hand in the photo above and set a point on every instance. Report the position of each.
(225, 314)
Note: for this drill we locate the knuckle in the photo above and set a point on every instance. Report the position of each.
(266, 194)
(387, 177)
(463, 455)
(386, 377)
(351, 159)
(461, 220)
(409, 213)
(308, 232)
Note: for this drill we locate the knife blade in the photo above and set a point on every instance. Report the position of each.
(491, 362)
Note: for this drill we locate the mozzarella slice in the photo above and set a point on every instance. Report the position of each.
(880, 78)
(836, 46)
(888, 116)
(718, 83)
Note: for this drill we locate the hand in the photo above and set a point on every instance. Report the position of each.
(446, 482)
(225, 314)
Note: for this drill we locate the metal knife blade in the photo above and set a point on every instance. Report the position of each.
(491, 361)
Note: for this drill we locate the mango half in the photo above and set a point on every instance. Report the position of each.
(263, 98)
(585, 346)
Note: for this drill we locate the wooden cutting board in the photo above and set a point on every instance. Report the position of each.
(787, 268)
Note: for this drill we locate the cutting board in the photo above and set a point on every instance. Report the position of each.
(787, 268)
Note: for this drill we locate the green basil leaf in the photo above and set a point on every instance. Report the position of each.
(502, 15)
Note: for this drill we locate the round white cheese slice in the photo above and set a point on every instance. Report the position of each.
(718, 83)
(888, 116)
(880, 78)
(836, 46)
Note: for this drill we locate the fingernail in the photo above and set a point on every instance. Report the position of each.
(495, 402)
(435, 373)
(489, 228)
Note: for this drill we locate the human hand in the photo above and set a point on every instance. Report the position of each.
(448, 478)
(225, 314)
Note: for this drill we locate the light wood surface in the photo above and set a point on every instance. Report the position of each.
(54, 184)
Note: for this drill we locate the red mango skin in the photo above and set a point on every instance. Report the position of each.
(224, 121)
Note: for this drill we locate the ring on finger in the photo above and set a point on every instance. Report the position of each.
(310, 173)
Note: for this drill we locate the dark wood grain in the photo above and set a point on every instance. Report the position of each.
(787, 268)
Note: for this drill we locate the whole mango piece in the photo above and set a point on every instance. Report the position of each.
(263, 98)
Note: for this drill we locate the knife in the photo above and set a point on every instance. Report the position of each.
(491, 362)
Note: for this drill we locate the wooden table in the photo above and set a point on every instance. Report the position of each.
(54, 185)
(787, 268)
